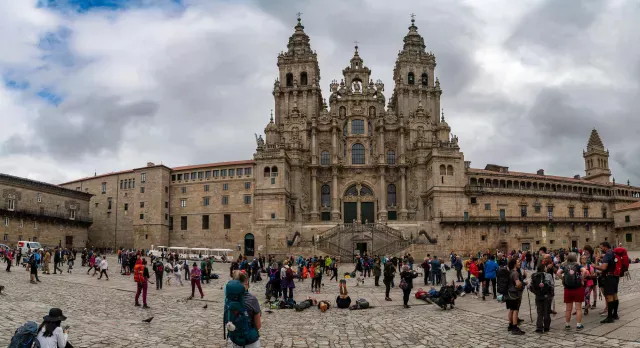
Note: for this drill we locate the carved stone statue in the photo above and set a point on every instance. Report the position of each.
(259, 140)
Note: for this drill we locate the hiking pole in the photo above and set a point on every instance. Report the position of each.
(529, 298)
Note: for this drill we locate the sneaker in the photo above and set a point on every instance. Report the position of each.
(407, 306)
(539, 331)
(137, 305)
(547, 329)
(510, 328)
(567, 326)
(579, 327)
(388, 299)
(616, 317)
(586, 310)
(146, 307)
(607, 320)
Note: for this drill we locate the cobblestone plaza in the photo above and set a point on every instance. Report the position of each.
(101, 314)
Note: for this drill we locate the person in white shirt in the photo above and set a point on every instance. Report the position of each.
(97, 266)
(176, 273)
(50, 334)
(104, 266)
(443, 272)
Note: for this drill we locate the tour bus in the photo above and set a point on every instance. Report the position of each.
(222, 255)
(28, 247)
(199, 253)
(158, 251)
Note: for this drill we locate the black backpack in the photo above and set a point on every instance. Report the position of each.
(572, 277)
(502, 280)
(540, 284)
(25, 336)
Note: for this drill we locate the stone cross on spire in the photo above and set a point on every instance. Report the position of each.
(356, 43)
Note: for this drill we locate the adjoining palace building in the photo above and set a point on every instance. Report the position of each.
(358, 173)
(45, 213)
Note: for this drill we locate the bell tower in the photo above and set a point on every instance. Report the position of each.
(414, 77)
(298, 82)
(596, 160)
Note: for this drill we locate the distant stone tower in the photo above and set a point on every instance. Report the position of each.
(596, 160)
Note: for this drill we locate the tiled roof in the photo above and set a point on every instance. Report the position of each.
(546, 177)
(40, 183)
(97, 176)
(217, 164)
(631, 206)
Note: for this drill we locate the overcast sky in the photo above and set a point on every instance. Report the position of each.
(107, 85)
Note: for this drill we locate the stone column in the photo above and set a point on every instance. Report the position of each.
(335, 202)
(382, 200)
(403, 193)
(381, 147)
(314, 194)
(314, 151)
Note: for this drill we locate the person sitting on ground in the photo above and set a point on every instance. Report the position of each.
(343, 300)
(50, 334)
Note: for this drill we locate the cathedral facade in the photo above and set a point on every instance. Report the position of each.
(357, 173)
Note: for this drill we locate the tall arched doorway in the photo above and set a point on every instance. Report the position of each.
(359, 204)
(249, 244)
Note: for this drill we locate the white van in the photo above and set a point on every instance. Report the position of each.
(27, 246)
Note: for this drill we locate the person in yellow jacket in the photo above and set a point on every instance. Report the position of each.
(467, 262)
(47, 259)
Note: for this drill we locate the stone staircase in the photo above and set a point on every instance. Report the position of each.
(380, 239)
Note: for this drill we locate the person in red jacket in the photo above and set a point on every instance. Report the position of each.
(141, 277)
(475, 273)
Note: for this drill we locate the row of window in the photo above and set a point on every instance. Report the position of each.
(537, 208)
(303, 79)
(218, 173)
(207, 200)
(226, 222)
(225, 187)
(411, 79)
(21, 223)
(541, 186)
(6, 238)
(448, 170)
(325, 157)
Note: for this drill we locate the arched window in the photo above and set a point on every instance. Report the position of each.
(351, 191)
(249, 243)
(289, 80)
(366, 191)
(443, 170)
(411, 79)
(391, 157)
(267, 172)
(357, 126)
(391, 195)
(357, 154)
(372, 111)
(325, 158)
(325, 195)
(449, 170)
(303, 78)
(425, 79)
(274, 171)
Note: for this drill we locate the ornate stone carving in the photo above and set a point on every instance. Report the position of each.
(11, 194)
(413, 191)
(390, 118)
(357, 109)
(304, 183)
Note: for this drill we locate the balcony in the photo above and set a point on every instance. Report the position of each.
(521, 219)
(36, 214)
(474, 190)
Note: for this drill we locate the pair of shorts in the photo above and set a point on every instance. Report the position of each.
(611, 285)
(573, 295)
(514, 305)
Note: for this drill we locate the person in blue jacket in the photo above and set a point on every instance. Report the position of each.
(490, 273)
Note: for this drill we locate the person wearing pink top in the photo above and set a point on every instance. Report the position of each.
(195, 280)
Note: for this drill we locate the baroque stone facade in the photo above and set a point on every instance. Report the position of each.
(45, 213)
(358, 173)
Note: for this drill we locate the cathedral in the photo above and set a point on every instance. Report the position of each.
(356, 173)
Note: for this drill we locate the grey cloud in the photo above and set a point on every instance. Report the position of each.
(82, 127)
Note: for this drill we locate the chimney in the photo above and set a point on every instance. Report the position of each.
(541, 172)
(577, 176)
(150, 164)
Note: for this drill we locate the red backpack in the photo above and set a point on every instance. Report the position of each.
(621, 260)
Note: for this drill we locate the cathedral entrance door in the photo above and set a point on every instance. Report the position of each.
(367, 213)
(248, 244)
(361, 248)
(350, 212)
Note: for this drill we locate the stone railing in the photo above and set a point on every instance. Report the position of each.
(523, 219)
(36, 214)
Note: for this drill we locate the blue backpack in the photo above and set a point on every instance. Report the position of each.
(25, 336)
(235, 312)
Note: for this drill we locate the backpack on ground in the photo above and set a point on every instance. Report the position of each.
(214, 276)
(352, 274)
(237, 324)
(25, 336)
(362, 303)
(303, 305)
(502, 280)
(621, 261)
(541, 284)
(572, 277)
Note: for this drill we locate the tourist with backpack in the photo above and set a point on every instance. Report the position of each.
(406, 283)
(176, 272)
(513, 295)
(141, 277)
(158, 270)
(195, 280)
(242, 315)
(573, 275)
(490, 270)
(50, 334)
(612, 271)
(542, 286)
(388, 275)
